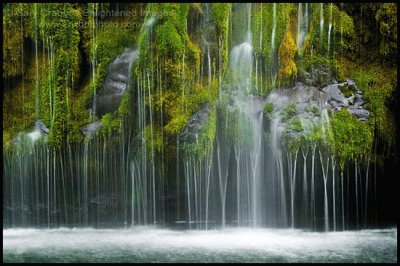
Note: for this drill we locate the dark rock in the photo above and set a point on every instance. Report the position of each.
(90, 128)
(196, 122)
(359, 103)
(109, 97)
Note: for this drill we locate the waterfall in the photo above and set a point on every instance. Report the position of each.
(255, 171)
(312, 200)
(37, 99)
(273, 28)
(305, 187)
(325, 179)
(93, 54)
(356, 194)
(333, 192)
(321, 20)
(342, 198)
(299, 26)
(330, 27)
(302, 24)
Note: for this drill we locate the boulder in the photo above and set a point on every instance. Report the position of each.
(109, 97)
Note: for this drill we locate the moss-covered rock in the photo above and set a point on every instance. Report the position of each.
(352, 138)
(287, 64)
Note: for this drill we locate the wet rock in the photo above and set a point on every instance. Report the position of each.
(359, 102)
(90, 128)
(41, 127)
(109, 97)
(335, 94)
(196, 122)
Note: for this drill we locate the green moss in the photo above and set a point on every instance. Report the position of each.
(109, 124)
(287, 51)
(352, 138)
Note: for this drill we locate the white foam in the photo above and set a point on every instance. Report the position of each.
(34, 135)
(292, 244)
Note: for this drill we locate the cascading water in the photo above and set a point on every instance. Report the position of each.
(254, 174)
(330, 27)
(301, 25)
(93, 17)
(321, 20)
(273, 46)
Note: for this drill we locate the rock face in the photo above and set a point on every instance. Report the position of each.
(109, 97)
(196, 122)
